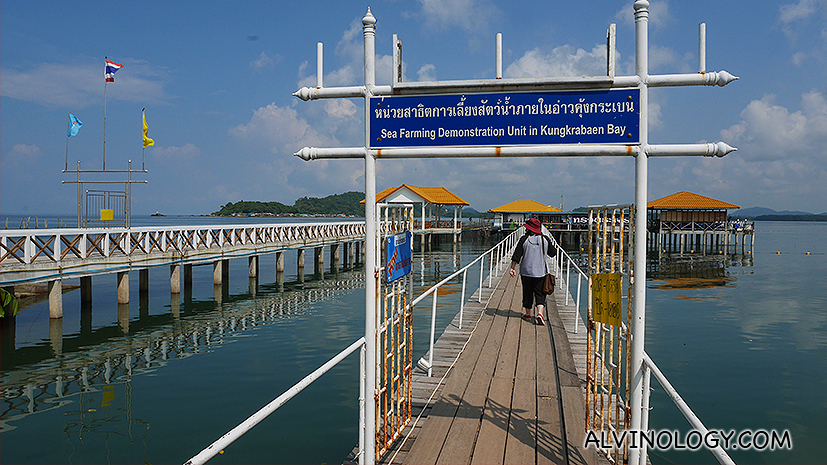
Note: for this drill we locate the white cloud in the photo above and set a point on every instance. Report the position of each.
(562, 61)
(797, 11)
(186, 152)
(22, 155)
(78, 85)
(427, 73)
(473, 16)
(264, 61)
(281, 129)
(340, 108)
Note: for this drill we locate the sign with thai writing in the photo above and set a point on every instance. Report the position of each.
(514, 118)
(398, 256)
(607, 304)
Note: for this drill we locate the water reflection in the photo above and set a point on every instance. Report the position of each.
(685, 272)
(87, 366)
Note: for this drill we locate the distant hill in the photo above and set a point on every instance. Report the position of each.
(333, 205)
(753, 212)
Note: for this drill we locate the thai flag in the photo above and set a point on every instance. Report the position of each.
(111, 68)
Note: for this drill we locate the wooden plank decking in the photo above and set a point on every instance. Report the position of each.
(503, 391)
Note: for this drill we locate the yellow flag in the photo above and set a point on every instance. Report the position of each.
(147, 140)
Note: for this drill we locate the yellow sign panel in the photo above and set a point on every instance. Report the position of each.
(607, 303)
(107, 214)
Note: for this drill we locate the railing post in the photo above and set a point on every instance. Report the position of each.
(433, 331)
(362, 376)
(644, 425)
(568, 273)
(462, 298)
(482, 268)
(577, 313)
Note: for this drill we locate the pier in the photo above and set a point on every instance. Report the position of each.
(502, 390)
(51, 255)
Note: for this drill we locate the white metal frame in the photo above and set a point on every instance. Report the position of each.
(640, 151)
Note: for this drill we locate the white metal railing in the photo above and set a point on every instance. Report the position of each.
(218, 446)
(649, 367)
(564, 260)
(495, 255)
(25, 246)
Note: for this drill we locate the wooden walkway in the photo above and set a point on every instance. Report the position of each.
(504, 390)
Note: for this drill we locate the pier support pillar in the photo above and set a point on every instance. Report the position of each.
(361, 251)
(55, 299)
(85, 289)
(335, 256)
(123, 287)
(175, 305)
(175, 279)
(217, 272)
(318, 262)
(279, 262)
(351, 255)
(300, 259)
(252, 266)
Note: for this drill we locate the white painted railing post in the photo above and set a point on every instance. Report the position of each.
(371, 246)
(638, 329)
(482, 268)
(568, 273)
(462, 298)
(433, 334)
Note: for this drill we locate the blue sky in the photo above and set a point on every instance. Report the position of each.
(216, 80)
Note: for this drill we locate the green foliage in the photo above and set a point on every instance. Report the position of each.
(8, 301)
(345, 204)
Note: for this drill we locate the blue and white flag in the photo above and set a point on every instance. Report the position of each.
(74, 125)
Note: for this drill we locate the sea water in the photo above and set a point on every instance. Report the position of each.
(745, 348)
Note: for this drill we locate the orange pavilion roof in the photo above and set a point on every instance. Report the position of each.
(525, 206)
(432, 195)
(689, 201)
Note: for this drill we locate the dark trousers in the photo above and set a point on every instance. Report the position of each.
(533, 291)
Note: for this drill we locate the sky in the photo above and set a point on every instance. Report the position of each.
(216, 80)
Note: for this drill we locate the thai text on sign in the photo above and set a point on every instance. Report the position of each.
(607, 298)
(528, 118)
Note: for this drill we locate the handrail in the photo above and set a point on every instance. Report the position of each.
(218, 446)
(562, 254)
(496, 252)
(649, 366)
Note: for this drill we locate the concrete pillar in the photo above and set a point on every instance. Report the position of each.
(279, 262)
(300, 260)
(56, 335)
(225, 271)
(318, 262)
(252, 285)
(55, 299)
(335, 255)
(280, 280)
(217, 272)
(252, 266)
(351, 256)
(123, 287)
(86, 289)
(86, 317)
(175, 279)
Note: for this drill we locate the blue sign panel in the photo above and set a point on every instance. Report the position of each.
(398, 256)
(527, 118)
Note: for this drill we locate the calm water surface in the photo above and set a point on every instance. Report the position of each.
(745, 347)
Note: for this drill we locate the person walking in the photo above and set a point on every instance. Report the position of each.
(530, 253)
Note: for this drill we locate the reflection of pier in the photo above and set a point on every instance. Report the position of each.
(685, 271)
(46, 382)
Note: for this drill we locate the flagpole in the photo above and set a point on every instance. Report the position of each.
(68, 126)
(104, 117)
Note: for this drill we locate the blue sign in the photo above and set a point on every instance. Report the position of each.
(517, 118)
(398, 256)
